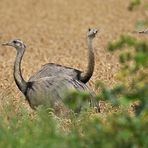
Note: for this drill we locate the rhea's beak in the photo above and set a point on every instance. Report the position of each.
(6, 44)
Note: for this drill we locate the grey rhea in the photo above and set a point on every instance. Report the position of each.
(47, 91)
(52, 69)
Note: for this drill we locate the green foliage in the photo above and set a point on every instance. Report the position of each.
(77, 100)
(121, 42)
(44, 129)
(133, 74)
(141, 24)
(133, 4)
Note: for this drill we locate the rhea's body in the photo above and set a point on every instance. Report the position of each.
(49, 91)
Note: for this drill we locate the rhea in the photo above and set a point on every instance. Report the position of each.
(47, 91)
(52, 69)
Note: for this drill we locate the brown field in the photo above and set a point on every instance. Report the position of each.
(55, 31)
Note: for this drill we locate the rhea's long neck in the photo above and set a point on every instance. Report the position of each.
(86, 75)
(20, 82)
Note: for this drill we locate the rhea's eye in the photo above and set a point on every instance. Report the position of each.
(14, 42)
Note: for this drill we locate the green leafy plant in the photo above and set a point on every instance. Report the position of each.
(133, 74)
(133, 4)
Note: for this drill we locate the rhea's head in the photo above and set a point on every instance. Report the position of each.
(17, 43)
(92, 32)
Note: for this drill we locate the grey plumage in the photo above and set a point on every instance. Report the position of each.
(46, 90)
(51, 69)
(51, 90)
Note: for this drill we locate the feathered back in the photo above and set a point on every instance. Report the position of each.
(50, 90)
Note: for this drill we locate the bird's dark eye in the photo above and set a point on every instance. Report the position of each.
(14, 42)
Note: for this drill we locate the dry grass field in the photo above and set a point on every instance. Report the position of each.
(55, 31)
